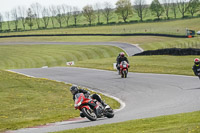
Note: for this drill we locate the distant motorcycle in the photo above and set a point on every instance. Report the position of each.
(92, 113)
(124, 69)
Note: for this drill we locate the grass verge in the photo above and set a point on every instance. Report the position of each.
(100, 57)
(145, 42)
(179, 123)
(181, 65)
(28, 102)
(34, 56)
(15, 88)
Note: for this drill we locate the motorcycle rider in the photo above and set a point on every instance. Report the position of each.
(122, 58)
(196, 67)
(74, 90)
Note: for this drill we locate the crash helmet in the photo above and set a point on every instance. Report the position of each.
(196, 61)
(74, 89)
(122, 54)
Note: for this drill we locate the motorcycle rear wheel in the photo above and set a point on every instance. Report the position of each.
(89, 114)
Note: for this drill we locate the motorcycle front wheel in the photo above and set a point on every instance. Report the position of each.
(122, 74)
(125, 74)
(89, 114)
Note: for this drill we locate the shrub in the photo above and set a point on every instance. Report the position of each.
(133, 21)
(100, 23)
(148, 20)
(19, 29)
(111, 23)
(156, 20)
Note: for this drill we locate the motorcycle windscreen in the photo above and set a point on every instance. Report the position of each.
(124, 66)
(79, 98)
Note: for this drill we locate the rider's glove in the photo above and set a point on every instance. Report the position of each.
(87, 94)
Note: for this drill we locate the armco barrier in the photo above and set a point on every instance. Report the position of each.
(134, 34)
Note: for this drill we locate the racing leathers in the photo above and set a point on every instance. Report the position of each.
(196, 70)
(122, 59)
(93, 96)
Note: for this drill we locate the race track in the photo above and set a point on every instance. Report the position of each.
(145, 95)
(128, 48)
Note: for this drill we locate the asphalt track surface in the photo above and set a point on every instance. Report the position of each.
(128, 48)
(144, 95)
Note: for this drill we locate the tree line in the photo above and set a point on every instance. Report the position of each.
(41, 16)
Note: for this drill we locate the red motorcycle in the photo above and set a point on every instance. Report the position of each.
(124, 69)
(91, 108)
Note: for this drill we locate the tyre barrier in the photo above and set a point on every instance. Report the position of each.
(171, 51)
(134, 34)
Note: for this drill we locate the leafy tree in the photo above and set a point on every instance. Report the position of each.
(193, 7)
(140, 7)
(15, 17)
(98, 11)
(36, 9)
(183, 7)
(124, 9)
(53, 13)
(88, 13)
(30, 18)
(1, 21)
(107, 12)
(45, 16)
(59, 16)
(76, 14)
(67, 13)
(174, 8)
(156, 8)
(166, 5)
(7, 15)
(22, 13)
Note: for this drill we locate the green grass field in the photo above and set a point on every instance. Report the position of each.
(28, 102)
(177, 27)
(145, 42)
(100, 57)
(115, 19)
(34, 56)
(181, 65)
(179, 123)
(27, 92)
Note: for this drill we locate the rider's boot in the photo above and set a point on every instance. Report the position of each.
(81, 114)
(104, 104)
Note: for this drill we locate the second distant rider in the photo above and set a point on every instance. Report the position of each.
(196, 67)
